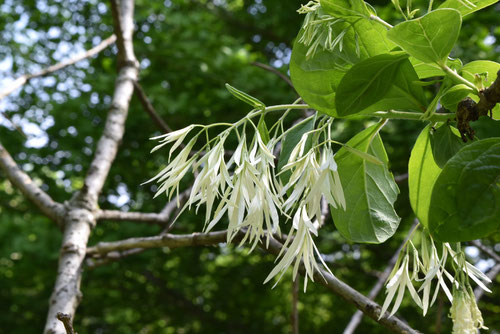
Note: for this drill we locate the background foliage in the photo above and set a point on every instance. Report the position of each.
(187, 51)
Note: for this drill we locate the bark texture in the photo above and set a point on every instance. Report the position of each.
(81, 210)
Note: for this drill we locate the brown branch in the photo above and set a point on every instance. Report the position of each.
(350, 295)
(332, 283)
(487, 250)
(271, 69)
(469, 111)
(66, 320)
(492, 274)
(148, 107)
(165, 240)
(111, 257)
(162, 218)
(30, 190)
(23, 79)
(358, 315)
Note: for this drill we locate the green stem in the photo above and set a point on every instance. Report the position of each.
(379, 20)
(393, 114)
(458, 78)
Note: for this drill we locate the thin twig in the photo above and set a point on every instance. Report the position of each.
(23, 79)
(271, 69)
(148, 107)
(29, 188)
(358, 315)
(164, 217)
(66, 320)
(487, 250)
(332, 283)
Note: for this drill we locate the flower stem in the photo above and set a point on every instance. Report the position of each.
(379, 20)
(393, 114)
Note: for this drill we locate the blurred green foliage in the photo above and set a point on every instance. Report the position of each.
(187, 51)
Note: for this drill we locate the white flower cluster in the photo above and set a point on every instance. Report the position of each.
(248, 190)
(467, 318)
(322, 30)
(431, 264)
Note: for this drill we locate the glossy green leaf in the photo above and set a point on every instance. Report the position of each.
(465, 202)
(369, 189)
(454, 95)
(345, 8)
(483, 73)
(485, 127)
(429, 38)
(466, 7)
(422, 173)
(291, 140)
(446, 142)
(406, 93)
(366, 83)
(248, 99)
(316, 78)
(428, 70)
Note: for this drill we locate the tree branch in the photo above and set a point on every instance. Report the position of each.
(66, 320)
(358, 315)
(148, 107)
(81, 209)
(164, 240)
(486, 250)
(271, 69)
(19, 82)
(332, 283)
(162, 218)
(492, 274)
(350, 295)
(469, 111)
(25, 184)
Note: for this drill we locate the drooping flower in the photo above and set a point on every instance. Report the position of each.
(299, 247)
(398, 283)
(461, 314)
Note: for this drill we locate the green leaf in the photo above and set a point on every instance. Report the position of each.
(429, 38)
(363, 155)
(345, 8)
(263, 131)
(465, 7)
(409, 94)
(428, 70)
(422, 173)
(248, 99)
(454, 95)
(446, 142)
(486, 127)
(366, 83)
(465, 202)
(369, 189)
(291, 140)
(481, 72)
(316, 78)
